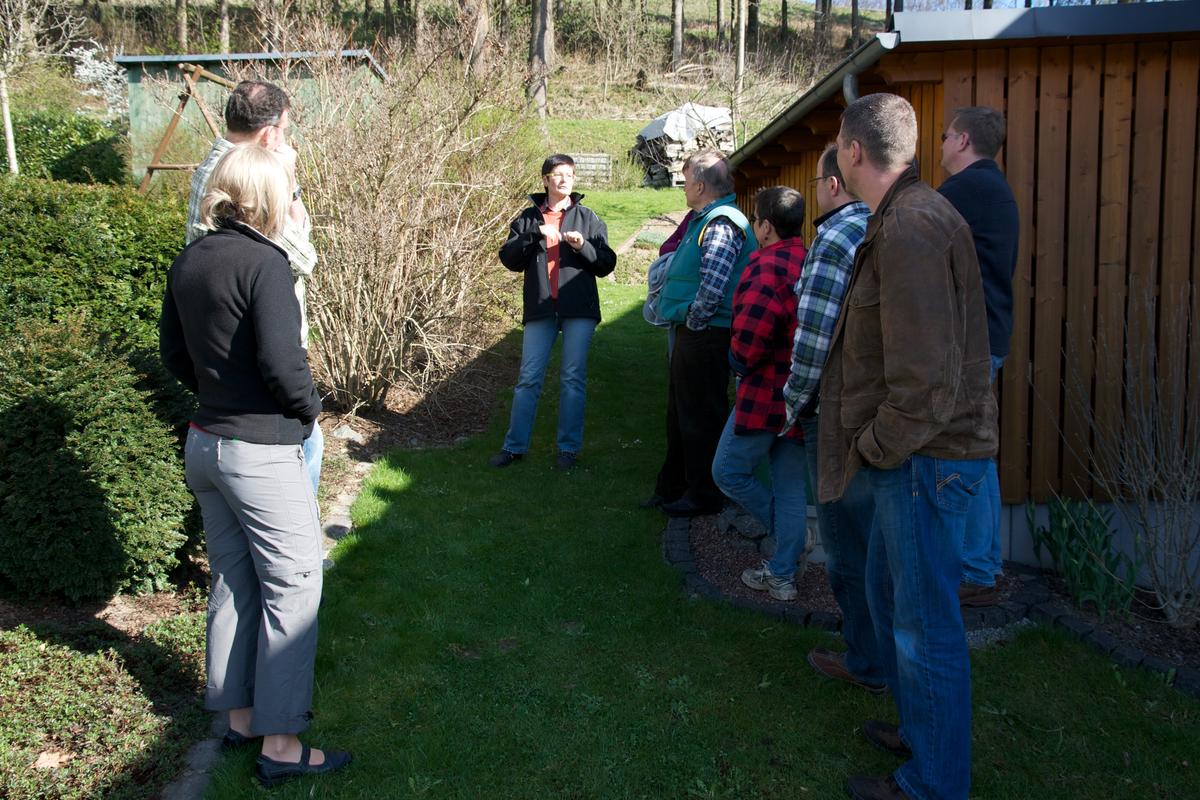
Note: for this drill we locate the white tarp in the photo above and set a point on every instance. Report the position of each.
(684, 123)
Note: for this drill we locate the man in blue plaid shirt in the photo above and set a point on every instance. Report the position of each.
(845, 524)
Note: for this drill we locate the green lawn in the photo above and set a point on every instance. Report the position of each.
(625, 211)
(516, 634)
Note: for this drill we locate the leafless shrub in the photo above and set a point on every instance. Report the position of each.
(1147, 459)
(410, 184)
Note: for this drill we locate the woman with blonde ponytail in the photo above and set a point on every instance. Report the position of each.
(230, 332)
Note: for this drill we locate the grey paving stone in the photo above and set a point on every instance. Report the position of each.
(1187, 680)
(1075, 625)
(698, 585)
(677, 524)
(1102, 641)
(1156, 664)
(1127, 656)
(1047, 612)
(1016, 610)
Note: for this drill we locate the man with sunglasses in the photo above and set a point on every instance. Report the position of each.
(979, 191)
(845, 524)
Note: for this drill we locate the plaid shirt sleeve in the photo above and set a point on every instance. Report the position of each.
(718, 253)
(296, 239)
(820, 292)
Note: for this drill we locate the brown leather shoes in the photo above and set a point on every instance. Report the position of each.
(833, 665)
(972, 595)
(886, 737)
(861, 787)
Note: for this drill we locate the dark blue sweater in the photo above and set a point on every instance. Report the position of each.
(981, 194)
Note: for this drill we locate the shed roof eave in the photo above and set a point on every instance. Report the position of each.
(217, 58)
(1052, 22)
(864, 57)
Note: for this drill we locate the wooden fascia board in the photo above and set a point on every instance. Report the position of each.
(910, 67)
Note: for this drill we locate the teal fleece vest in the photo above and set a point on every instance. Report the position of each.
(683, 279)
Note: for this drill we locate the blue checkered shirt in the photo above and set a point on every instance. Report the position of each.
(823, 281)
(723, 242)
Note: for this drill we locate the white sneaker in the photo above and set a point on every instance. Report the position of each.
(763, 580)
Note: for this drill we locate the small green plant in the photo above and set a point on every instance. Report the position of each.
(1079, 540)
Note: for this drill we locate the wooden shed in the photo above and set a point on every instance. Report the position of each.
(155, 82)
(1101, 154)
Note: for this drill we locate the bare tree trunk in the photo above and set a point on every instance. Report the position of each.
(966, 5)
(855, 24)
(181, 41)
(418, 25)
(502, 21)
(10, 142)
(541, 53)
(478, 19)
(720, 30)
(752, 25)
(739, 75)
(987, 4)
(223, 14)
(676, 33)
(783, 20)
(389, 19)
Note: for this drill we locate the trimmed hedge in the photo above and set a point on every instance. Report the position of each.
(70, 147)
(105, 249)
(92, 494)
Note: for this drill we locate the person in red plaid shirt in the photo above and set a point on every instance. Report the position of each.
(760, 352)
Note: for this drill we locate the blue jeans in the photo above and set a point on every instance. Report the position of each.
(845, 532)
(782, 508)
(913, 565)
(314, 452)
(572, 395)
(982, 560)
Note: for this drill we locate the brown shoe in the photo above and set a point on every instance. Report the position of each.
(886, 737)
(972, 595)
(861, 787)
(833, 665)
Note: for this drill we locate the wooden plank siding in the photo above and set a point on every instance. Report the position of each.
(1014, 390)
(1049, 224)
(1178, 200)
(1101, 155)
(1083, 203)
(1116, 138)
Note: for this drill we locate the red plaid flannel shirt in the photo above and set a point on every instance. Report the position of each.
(760, 347)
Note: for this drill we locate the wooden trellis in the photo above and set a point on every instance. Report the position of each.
(192, 73)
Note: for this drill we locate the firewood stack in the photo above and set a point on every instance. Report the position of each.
(662, 155)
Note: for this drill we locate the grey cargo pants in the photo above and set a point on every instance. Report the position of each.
(263, 539)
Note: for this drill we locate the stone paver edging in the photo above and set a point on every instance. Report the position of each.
(1032, 601)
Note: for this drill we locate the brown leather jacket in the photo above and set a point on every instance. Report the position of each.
(909, 367)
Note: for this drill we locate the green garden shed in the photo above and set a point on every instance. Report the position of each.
(159, 87)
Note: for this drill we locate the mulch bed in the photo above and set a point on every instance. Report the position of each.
(720, 557)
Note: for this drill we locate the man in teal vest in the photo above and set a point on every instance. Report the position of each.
(698, 301)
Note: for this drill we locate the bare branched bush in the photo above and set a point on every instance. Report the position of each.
(1146, 458)
(410, 184)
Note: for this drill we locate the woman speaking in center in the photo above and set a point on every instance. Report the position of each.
(230, 332)
(562, 247)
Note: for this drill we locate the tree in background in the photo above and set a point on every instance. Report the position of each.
(676, 34)
(181, 39)
(541, 53)
(29, 29)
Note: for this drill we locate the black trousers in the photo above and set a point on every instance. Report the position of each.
(697, 409)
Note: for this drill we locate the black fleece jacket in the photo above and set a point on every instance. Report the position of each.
(230, 332)
(525, 251)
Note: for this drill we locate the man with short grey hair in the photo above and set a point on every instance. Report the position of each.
(906, 412)
(697, 299)
(258, 113)
(978, 190)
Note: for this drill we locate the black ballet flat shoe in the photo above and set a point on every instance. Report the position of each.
(271, 772)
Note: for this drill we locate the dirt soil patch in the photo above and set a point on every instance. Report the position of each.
(721, 557)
